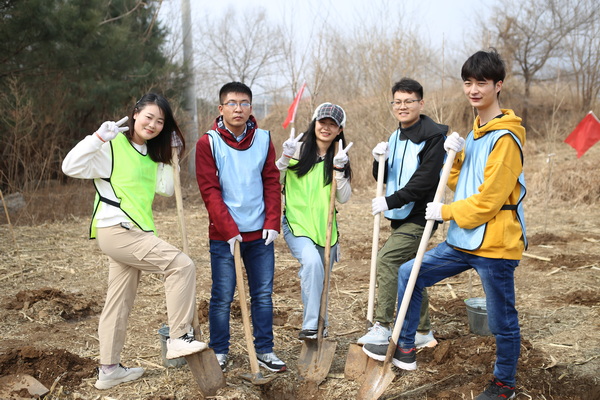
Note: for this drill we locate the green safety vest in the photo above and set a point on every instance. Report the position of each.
(133, 181)
(307, 205)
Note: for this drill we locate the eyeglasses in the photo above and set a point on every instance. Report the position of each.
(234, 105)
(407, 103)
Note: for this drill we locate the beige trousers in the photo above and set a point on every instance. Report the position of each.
(131, 252)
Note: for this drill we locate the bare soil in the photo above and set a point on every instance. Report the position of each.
(54, 282)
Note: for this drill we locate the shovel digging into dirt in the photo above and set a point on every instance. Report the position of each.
(356, 359)
(256, 377)
(204, 365)
(379, 375)
(316, 356)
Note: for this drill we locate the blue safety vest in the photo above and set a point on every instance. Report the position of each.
(240, 177)
(402, 164)
(469, 180)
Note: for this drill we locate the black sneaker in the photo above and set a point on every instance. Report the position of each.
(497, 391)
(271, 362)
(403, 358)
(310, 334)
(222, 359)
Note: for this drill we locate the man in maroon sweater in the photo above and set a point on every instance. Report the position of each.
(239, 183)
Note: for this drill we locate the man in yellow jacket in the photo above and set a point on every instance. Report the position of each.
(487, 226)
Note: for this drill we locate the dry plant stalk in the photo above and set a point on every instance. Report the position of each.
(12, 232)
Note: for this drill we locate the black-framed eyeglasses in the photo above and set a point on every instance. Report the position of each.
(234, 105)
(407, 103)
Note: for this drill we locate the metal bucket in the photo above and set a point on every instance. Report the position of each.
(477, 314)
(163, 333)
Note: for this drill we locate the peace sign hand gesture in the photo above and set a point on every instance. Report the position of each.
(289, 146)
(110, 129)
(341, 158)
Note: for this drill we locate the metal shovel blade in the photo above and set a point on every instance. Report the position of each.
(378, 377)
(206, 371)
(11, 387)
(315, 359)
(258, 378)
(356, 363)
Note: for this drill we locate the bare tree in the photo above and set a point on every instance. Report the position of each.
(584, 54)
(237, 47)
(533, 32)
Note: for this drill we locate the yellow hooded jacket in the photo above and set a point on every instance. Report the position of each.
(503, 236)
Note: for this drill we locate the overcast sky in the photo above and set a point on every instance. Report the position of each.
(434, 19)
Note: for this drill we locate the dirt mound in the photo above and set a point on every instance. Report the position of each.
(48, 302)
(49, 366)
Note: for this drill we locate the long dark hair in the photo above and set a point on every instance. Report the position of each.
(159, 147)
(309, 155)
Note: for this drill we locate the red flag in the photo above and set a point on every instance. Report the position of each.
(585, 134)
(292, 110)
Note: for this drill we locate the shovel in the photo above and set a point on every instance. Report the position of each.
(316, 356)
(256, 377)
(204, 365)
(356, 359)
(379, 374)
(21, 386)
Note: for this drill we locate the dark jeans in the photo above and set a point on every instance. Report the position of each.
(259, 262)
(497, 277)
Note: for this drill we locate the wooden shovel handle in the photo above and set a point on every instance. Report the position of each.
(410, 286)
(327, 255)
(179, 200)
(375, 243)
(181, 223)
(239, 278)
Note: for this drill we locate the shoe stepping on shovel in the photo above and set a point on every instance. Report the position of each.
(379, 375)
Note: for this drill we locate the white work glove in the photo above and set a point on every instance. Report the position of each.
(434, 211)
(454, 142)
(379, 204)
(381, 148)
(110, 129)
(269, 235)
(289, 146)
(237, 238)
(341, 158)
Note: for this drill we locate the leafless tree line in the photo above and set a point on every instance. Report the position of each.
(545, 42)
(540, 39)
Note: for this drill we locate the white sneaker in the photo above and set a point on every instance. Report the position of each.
(119, 375)
(377, 335)
(184, 346)
(425, 340)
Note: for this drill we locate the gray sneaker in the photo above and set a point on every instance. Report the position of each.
(425, 340)
(121, 374)
(377, 334)
(271, 362)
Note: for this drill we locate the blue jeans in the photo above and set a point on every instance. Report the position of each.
(259, 261)
(497, 277)
(312, 274)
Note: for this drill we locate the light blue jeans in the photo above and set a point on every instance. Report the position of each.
(497, 278)
(312, 274)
